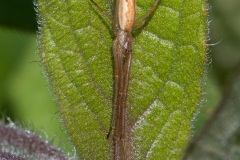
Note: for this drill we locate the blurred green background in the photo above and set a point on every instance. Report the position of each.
(24, 91)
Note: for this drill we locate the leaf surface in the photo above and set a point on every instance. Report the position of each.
(165, 81)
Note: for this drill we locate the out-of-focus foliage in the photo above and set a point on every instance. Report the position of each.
(18, 14)
(225, 33)
(220, 137)
(224, 53)
(24, 92)
(12, 48)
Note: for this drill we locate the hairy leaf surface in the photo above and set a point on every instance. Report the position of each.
(165, 81)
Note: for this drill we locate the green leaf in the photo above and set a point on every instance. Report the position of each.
(165, 81)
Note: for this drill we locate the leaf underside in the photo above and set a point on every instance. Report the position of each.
(165, 81)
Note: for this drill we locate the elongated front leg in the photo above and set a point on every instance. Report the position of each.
(116, 111)
(116, 81)
(141, 21)
(102, 11)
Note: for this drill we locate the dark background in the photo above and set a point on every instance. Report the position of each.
(24, 92)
